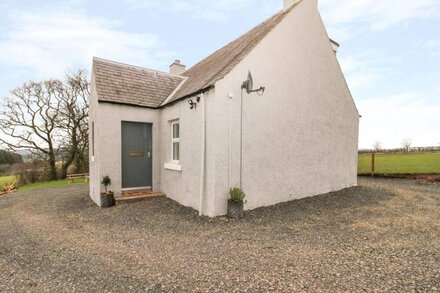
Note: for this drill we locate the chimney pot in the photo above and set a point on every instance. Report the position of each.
(177, 68)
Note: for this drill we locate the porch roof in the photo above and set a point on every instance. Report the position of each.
(126, 84)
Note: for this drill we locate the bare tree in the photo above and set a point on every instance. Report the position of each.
(82, 158)
(49, 118)
(29, 120)
(406, 144)
(74, 95)
(377, 146)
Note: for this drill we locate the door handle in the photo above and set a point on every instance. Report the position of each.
(149, 154)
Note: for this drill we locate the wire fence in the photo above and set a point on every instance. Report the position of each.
(402, 162)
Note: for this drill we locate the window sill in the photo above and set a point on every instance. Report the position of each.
(173, 167)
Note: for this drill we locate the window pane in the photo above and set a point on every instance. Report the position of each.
(176, 154)
(176, 130)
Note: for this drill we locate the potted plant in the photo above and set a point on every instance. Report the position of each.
(107, 198)
(235, 203)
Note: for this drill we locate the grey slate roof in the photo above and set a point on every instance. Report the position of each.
(126, 84)
(121, 83)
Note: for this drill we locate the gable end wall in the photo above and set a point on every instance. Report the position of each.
(300, 138)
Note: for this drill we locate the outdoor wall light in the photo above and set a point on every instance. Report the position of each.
(192, 104)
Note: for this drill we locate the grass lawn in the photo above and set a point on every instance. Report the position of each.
(39, 185)
(50, 184)
(401, 163)
(6, 179)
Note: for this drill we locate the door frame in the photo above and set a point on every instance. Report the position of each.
(152, 157)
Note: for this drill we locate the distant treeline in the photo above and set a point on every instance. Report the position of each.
(399, 150)
(10, 158)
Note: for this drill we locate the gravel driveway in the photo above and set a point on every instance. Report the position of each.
(381, 236)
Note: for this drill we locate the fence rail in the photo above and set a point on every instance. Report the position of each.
(399, 150)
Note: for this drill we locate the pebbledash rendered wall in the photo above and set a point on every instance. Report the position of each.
(107, 159)
(300, 138)
(94, 145)
(182, 186)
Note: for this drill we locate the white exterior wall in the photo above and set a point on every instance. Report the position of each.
(184, 186)
(301, 137)
(108, 144)
(94, 145)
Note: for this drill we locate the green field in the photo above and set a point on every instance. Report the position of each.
(401, 163)
(36, 186)
(386, 163)
(6, 179)
(44, 185)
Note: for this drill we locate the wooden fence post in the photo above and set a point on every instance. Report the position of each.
(373, 162)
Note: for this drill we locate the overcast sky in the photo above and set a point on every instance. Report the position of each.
(390, 50)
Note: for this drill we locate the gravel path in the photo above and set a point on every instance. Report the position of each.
(381, 236)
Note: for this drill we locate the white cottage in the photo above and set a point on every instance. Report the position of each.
(192, 134)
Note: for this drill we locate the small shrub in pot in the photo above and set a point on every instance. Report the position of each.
(235, 203)
(107, 198)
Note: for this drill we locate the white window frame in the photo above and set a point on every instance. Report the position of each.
(173, 141)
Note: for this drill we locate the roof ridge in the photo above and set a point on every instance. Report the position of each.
(137, 67)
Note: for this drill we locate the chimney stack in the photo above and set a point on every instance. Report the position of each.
(176, 68)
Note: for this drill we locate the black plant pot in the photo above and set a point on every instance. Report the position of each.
(108, 200)
(235, 209)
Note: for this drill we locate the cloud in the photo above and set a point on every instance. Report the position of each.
(342, 16)
(390, 119)
(433, 47)
(389, 112)
(46, 43)
(374, 14)
(364, 71)
(219, 10)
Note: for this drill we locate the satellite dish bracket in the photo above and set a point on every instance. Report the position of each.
(249, 84)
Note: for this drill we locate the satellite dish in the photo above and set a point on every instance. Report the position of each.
(248, 85)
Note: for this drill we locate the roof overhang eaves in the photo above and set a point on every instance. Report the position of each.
(203, 90)
(126, 104)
